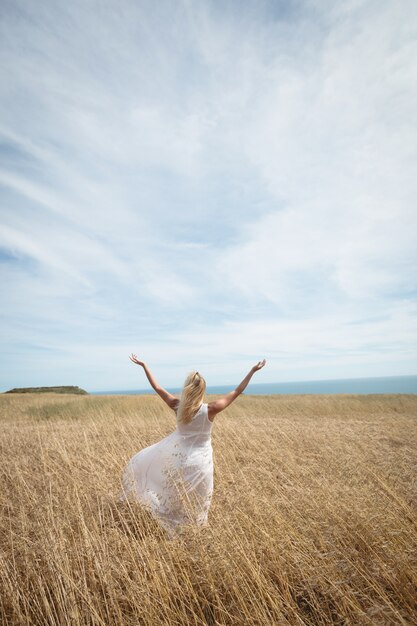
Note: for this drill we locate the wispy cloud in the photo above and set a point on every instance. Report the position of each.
(208, 184)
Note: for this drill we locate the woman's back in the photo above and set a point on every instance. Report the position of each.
(199, 428)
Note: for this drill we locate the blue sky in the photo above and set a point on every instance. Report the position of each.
(207, 184)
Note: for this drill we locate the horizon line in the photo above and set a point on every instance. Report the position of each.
(284, 382)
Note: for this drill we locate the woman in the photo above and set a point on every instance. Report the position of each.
(173, 478)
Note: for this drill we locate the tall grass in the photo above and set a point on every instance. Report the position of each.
(313, 518)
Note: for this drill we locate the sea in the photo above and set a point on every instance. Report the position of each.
(386, 384)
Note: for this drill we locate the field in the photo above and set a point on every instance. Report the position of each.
(313, 518)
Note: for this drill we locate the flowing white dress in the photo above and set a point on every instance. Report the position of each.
(173, 478)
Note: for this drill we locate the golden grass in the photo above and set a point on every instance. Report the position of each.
(313, 519)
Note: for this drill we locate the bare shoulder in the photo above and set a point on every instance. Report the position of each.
(221, 403)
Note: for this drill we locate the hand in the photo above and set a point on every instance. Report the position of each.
(134, 359)
(258, 366)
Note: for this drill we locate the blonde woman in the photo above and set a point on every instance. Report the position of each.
(173, 478)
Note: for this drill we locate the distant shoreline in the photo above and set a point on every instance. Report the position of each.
(350, 386)
(375, 385)
(60, 389)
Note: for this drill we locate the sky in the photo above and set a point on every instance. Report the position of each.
(207, 184)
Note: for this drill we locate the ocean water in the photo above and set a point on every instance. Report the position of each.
(386, 384)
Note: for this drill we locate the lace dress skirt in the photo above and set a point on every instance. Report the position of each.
(173, 478)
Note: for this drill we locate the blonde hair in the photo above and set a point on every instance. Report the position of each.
(191, 397)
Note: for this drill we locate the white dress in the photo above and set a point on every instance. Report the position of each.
(173, 478)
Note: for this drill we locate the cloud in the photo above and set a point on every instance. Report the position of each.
(210, 183)
(333, 139)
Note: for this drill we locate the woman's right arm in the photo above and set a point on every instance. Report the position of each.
(219, 405)
(167, 397)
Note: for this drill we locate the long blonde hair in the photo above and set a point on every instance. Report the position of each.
(191, 397)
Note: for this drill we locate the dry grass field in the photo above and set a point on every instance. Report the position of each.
(313, 518)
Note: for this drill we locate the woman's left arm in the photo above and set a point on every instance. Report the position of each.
(167, 397)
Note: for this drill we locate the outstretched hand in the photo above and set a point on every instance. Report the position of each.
(135, 360)
(258, 366)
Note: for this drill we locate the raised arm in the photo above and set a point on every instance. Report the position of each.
(167, 397)
(219, 405)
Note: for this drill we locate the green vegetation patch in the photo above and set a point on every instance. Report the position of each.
(62, 389)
